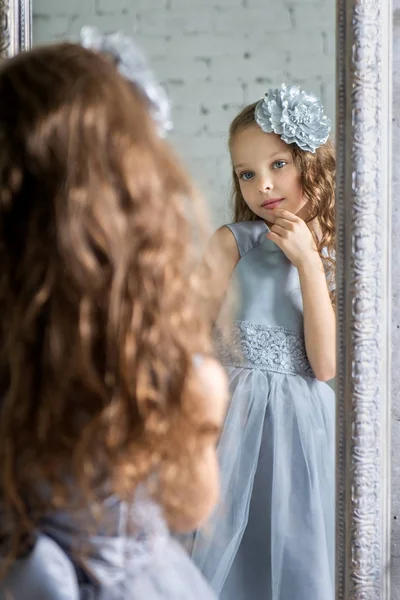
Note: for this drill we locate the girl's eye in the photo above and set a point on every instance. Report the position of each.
(279, 164)
(246, 175)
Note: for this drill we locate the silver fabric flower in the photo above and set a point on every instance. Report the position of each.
(132, 64)
(295, 115)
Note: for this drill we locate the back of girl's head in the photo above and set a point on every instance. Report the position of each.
(317, 172)
(98, 318)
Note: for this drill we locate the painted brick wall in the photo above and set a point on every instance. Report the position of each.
(214, 56)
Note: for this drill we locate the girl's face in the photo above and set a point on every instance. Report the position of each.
(266, 172)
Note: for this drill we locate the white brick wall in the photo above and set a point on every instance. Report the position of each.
(213, 56)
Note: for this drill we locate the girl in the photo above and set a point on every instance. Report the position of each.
(109, 415)
(272, 537)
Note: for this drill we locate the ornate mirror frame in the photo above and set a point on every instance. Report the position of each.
(363, 126)
(15, 26)
(363, 130)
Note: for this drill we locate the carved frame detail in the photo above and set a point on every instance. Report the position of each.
(15, 27)
(364, 97)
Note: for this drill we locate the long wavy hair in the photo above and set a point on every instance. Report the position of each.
(317, 172)
(100, 314)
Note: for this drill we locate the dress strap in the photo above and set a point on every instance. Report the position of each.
(248, 234)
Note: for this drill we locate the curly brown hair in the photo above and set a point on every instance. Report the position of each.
(317, 178)
(100, 316)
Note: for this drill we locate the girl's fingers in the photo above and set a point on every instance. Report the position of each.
(279, 230)
(285, 214)
(285, 223)
(274, 237)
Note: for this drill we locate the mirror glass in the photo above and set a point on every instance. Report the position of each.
(272, 535)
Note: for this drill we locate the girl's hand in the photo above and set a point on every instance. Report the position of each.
(292, 236)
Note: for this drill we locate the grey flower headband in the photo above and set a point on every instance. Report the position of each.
(132, 64)
(295, 115)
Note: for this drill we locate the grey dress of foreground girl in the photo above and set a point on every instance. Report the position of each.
(146, 564)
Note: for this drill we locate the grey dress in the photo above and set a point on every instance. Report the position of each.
(272, 536)
(130, 557)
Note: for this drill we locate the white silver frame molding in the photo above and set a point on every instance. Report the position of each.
(364, 96)
(15, 27)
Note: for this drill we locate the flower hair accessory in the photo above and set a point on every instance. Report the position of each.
(295, 115)
(132, 64)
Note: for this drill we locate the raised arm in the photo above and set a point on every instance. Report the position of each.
(292, 235)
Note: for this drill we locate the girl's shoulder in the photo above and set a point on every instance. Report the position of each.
(245, 235)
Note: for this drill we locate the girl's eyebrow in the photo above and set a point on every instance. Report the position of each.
(280, 153)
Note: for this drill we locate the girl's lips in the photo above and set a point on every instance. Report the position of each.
(270, 204)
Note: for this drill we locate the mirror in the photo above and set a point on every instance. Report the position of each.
(214, 60)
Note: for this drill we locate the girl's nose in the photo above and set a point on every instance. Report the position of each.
(265, 183)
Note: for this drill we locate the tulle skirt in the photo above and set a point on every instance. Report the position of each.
(272, 535)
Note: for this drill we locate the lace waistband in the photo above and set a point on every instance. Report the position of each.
(251, 346)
